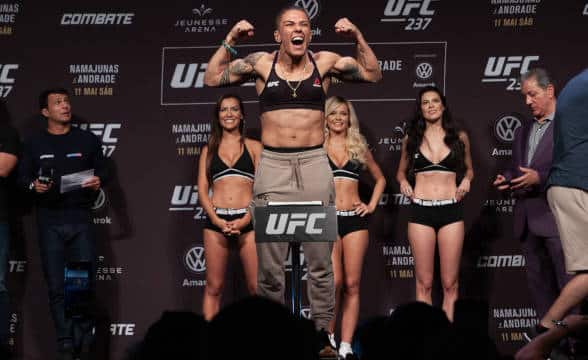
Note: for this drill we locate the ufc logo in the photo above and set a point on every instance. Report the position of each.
(503, 66)
(188, 75)
(185, 195)
(122, 329)
(585, 12)
(103, 131)
(279, 224)
(405, 7)
(4, 73)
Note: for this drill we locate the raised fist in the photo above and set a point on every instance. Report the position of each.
(345, 27)
(241, 30)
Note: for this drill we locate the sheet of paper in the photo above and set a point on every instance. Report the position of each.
(74, 181)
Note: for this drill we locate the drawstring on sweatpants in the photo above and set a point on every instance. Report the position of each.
(296, 176)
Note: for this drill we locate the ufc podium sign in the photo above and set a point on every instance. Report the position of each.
(289, 222)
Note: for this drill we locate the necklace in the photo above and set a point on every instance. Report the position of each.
(294, 88)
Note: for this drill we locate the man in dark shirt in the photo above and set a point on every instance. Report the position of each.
(65, 227)
(9, 145)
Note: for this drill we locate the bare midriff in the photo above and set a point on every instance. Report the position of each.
(346, 194)
(289, 128)
(435, 185)
(232, 192)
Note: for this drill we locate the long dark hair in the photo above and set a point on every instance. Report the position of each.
(216, 132)
(416, 129)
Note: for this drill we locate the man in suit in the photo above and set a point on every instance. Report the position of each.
(567, 195)
(534, 224)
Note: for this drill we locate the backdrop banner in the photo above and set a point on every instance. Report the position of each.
(135, 71)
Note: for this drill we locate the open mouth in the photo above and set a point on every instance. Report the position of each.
(297, 40)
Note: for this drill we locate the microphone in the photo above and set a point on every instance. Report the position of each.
(46, 172)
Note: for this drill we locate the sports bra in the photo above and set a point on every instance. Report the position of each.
(243, 167)
(422, 164)
(349, 171)
(278, 95)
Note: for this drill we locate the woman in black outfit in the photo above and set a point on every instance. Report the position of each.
(227, 167)
(435, 153)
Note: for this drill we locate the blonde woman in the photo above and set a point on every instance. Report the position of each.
(348, 155)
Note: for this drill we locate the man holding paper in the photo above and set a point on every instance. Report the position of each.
(63, 167)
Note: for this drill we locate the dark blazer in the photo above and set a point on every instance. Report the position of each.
(531, 206)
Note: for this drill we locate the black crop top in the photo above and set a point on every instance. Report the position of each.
(243, 167)
(422, 164)
(349, 171)
(278, 95)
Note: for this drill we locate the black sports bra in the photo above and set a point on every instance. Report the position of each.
(243, 167)
(278, 95)
(349, 171)
(422, 164)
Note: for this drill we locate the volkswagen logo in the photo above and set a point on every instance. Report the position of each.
(505, 127)
(424, 71)
(194, 259)
(400, 129)
(311, 7)
(100, 200)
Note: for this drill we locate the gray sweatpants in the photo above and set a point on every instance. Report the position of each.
(299, 176)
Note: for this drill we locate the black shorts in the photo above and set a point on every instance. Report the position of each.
(209, 225)
(349, 224)
(435, 216)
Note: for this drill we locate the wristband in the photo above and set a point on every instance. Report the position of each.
(229, 48)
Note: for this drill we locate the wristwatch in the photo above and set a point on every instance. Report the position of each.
(32, 185)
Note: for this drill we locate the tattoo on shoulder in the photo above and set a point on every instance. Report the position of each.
(253, 58)
(240, 67)
(350, 72)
